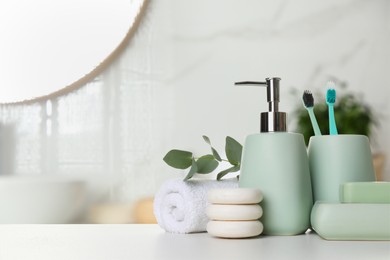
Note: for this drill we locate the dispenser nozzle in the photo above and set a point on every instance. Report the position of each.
(250, 83)
(272, 85)
(273, 121)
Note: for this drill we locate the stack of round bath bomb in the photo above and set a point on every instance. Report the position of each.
(234, 213)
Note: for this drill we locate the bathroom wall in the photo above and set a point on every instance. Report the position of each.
(202, 47)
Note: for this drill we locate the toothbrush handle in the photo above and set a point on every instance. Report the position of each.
(314, 123)
(332, 121)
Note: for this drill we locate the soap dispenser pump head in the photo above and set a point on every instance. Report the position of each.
(273, 120)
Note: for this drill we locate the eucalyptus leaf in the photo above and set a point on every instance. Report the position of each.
(206, 139)
(206, 164)
(215, 153)
(224, 172)
(178, 159)
(233, 151)
(193, 170)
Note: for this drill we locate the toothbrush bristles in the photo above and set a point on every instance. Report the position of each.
(331, 84)
(308, 99)
(331, 96)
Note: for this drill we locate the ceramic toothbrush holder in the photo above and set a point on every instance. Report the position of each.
(337, 159)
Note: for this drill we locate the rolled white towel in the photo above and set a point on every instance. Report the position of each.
(180, 206)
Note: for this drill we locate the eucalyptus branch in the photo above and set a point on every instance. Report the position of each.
(205, 164)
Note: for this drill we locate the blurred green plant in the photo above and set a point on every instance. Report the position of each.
(205, 164)
(353, 115)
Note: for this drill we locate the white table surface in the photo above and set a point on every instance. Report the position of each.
(117, 242)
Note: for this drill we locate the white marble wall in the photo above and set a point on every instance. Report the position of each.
(202, 47)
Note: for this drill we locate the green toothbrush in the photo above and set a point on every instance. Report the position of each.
(308, 102)
(330, 100)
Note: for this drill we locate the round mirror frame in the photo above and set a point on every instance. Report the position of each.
(96, 71)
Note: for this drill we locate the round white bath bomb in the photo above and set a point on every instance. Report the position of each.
(235, 196)
(234, 229)
(234, 212)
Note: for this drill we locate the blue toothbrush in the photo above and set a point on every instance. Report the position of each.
(308, 102)
(330, 100)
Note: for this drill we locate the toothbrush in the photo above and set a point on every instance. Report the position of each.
(308, 102)
(330, 100)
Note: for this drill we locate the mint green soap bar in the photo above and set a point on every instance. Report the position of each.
(365, 192)
(340, 221)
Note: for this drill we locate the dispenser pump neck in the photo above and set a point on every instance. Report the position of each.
(273, 120)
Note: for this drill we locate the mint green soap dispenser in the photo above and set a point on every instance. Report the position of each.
(275, 161)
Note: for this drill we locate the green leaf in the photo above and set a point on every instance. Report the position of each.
(193, 170)
(215, 153)
(178, 159)
(224, 172)
(206, 139)
(206, 164)
(233, 151)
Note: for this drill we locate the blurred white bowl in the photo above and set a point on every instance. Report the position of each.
(40, 199)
